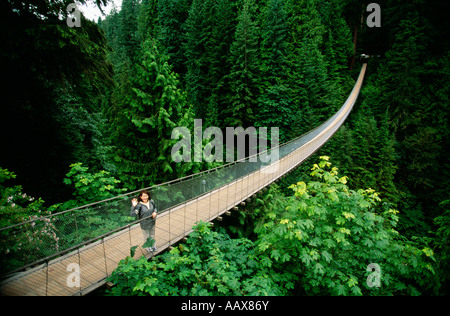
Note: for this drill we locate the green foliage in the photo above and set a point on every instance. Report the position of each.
(128, 26)
(43, 236)
(327, 234)
(306, 37)
(245, 70)
(91, 187)
(405, 93)
(147, 21)
(318, 241)
(209, 263)
(370, 156)
(209, 31)
(172, 16)
(151, 109)
(17, 207)
(89, 223)
(5, 174)
(441, 244)
(275, 104)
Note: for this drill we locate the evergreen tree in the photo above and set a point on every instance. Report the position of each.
(274, 43)
(154, 107)
(312, 90)
(172, 16)
(209, 32)
(128, 38)
(276, 107)
(386, 164)
(337, 47)
(147, 21)
(220, 65)
(111, 28)
(369, 152)
(198, 33)
(244, 76)
(409, 86)
(124, 38)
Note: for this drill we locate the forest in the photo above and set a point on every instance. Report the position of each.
(87, 114)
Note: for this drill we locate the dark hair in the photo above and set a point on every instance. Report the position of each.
(144, 192)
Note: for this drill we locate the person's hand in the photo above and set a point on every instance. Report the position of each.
(134, 202)
(154, 214)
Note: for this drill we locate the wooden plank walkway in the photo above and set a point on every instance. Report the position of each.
(98, 260)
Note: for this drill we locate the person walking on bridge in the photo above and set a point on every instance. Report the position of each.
(144, 208)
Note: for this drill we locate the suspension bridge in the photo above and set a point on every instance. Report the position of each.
(73, 252)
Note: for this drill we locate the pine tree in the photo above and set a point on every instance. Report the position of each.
(128, 38)
(154, 107)
(274, 43)
(276, 107)
(172, 16)
(198, 32)
(209, 34)
(337, 47)
(220, 66)
(147, 21)
(244, 74)
(311, 88)
(365, 149)
(369, 155)
(386, 165)
(415, 115)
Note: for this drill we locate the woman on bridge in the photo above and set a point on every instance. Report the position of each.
(144, 208)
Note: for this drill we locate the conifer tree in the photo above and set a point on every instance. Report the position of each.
(244, 74)
(274, 42)
(172, 16)
(386, 165)
(369, 156)
(276, 108)
(147, 21)
(406, 87)
(220, 65)
(127, 34)
(154, 107)
(310, 84)
(209, 32)
(198, 33)
(337, 47)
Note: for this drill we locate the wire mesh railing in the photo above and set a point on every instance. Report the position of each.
(94, 236)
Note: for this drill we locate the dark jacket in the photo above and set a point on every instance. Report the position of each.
(144, 212)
